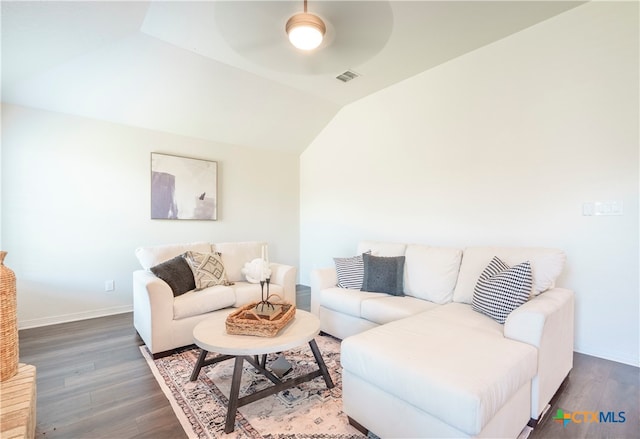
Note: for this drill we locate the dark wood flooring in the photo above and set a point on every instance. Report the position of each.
(92, 382)
(595, 385)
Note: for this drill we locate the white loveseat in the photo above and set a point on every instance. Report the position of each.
(427, 365)
(166, 322)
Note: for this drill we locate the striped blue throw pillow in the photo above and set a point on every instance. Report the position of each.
(350, 271)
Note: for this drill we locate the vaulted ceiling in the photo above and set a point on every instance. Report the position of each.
(224, 70)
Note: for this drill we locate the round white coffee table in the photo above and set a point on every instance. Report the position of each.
(211, 336)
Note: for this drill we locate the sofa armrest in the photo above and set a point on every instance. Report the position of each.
(529, 322)
(152, 308)
(321, 278)
(285, 275)
(546, 322)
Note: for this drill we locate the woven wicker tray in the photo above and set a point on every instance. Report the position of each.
(244, 321)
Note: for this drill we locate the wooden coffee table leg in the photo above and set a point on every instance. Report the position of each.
(323, 367)
(198, 366)
(261, 362)
(233, 395)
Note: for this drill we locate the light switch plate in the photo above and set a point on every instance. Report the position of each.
(602, 208)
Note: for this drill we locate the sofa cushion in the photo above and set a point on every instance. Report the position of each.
(154, 255)
(383, 274)
(246, 293)
(346, 301)
(462, 314)
(456, 373)
(236, 254)
(431, 272)
(387, 309)
(208, 269)
(177, 273)
(501, 289)
(546, 266)
(350, 271)
(379, 248)
(195, 303)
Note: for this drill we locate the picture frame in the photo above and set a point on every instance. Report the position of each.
(183, 188)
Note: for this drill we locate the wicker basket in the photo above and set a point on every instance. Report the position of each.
(245, 321)
(8, 322)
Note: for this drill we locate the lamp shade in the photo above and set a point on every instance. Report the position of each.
(305, 31)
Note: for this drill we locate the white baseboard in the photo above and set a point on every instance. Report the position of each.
(65, 318)
(618, 357)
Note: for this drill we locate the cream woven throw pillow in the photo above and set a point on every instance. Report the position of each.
(208, 269)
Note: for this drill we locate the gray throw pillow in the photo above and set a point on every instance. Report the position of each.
(177, 273)
(383, 274)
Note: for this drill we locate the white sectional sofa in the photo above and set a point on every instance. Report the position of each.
(166, 322)
(426, 364)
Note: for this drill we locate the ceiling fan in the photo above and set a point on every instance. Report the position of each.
(351, 33)
(305, 30)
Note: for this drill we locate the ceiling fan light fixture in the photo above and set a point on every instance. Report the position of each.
(305, 31)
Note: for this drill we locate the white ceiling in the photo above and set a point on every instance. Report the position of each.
(224, 71)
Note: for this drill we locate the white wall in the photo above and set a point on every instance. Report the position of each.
(500, 147)
(76, 203)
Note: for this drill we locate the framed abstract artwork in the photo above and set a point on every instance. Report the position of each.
(183, 188)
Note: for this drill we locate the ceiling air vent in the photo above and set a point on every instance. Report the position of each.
(347, 76)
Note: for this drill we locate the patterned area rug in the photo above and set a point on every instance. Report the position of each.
(309, 410)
